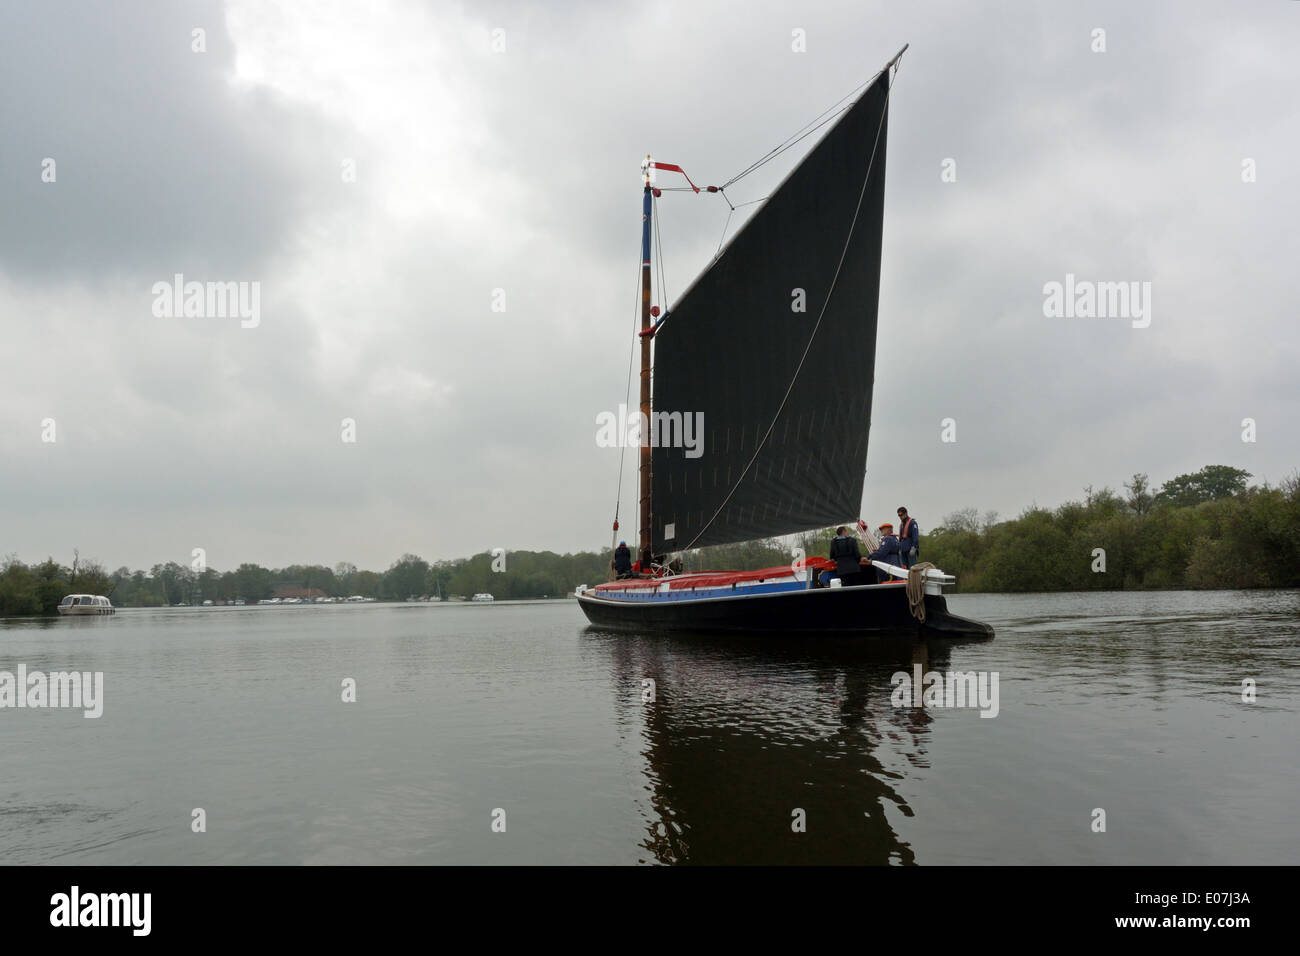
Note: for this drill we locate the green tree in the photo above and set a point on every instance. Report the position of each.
(368, 583)
(253, 582)
(965, 519)
(406, 577)
(1211, 482)
(1139, 494)
(88, 577)
(172, 582)
(18, 593)
(51, 585)
(345, 579)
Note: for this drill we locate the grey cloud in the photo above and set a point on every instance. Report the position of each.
(161, 167)
(1121, 165)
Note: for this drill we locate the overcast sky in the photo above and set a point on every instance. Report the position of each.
(515, 168)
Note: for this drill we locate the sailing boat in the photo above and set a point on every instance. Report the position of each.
(756, 350)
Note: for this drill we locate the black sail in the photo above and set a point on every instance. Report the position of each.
(731, 347)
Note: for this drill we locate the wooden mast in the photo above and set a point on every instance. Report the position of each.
(644, 475)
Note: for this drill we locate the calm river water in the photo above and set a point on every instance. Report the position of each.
(519, 714)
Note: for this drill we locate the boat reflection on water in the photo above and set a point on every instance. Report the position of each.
(739, 733)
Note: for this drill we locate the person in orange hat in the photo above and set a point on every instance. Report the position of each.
(888, 551)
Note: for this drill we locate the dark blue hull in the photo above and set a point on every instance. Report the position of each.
(849, 610)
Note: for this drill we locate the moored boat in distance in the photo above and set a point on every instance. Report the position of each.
(482, 597)
(745, 436)
(86, 605)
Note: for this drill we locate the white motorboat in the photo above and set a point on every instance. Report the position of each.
(78, 605)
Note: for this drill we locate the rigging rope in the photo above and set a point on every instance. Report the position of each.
(833, 110)
(627, 398)
(817, 325)
(723, 237)
(659, 256)
(631, 359)
(778, 150)
(916, 589)
(821, 119)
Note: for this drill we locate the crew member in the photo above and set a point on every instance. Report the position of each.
(887, 552)
(909, 535)
(623, 561)
(847, 558)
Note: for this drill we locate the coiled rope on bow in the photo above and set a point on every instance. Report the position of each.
(916, 589)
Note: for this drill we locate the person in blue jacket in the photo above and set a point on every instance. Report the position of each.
(909, 539)
(623, 561)
(887, 552)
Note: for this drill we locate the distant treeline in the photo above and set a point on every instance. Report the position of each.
(1203, 530)
(1208, 529)
(38, 588)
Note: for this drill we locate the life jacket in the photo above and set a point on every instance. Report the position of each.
(844, 552)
